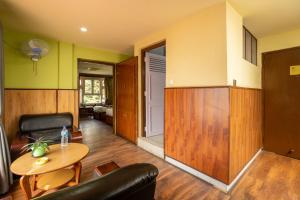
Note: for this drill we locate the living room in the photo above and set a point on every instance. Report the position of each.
(76, 104)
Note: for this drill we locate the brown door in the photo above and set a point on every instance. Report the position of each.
(126, 93)
(282, 102)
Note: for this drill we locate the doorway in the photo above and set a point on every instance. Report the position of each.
(96, 95)
(281, 84)
(153, 84)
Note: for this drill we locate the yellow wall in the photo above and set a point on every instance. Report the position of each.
(57, 70)
(193, 45)
(282, 40)
(195, 50)
(245, 73)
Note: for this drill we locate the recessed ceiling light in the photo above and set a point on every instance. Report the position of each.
(83, 29)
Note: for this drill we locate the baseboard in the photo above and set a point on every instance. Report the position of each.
(144, 144)
(237, 178)
(218, 184)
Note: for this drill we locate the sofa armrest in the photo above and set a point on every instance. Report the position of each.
(133, 182)
(18, 142)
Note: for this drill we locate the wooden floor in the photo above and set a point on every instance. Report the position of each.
(271, 176)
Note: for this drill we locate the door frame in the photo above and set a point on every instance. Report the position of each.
(143, 80)
(136, 98)
(114, 85)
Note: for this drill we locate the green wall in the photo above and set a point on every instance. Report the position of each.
(56, 70)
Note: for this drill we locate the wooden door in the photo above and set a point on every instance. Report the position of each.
(282, 102)
(126, 99)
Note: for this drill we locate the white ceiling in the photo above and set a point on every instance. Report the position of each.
(112, 24)
(265, 17)
(116, 24)
(95, 68)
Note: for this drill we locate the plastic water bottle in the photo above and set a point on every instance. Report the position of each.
(64, 137)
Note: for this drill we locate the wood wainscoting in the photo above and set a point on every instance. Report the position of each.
(246, 124)
(215, 130)
(36, 101)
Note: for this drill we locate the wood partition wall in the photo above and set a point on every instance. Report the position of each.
(37, 101)
(214, 130)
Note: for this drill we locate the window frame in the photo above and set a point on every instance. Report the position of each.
(253, 59)
(100, 94)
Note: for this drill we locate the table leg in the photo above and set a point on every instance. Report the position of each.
(25, 186)
(77, 168)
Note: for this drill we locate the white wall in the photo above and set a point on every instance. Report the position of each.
(195, 50)
(278, 41)
(245, 73)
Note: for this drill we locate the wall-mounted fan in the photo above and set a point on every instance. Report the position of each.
(35, 49)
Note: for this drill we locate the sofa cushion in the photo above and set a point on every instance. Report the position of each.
(40, 122)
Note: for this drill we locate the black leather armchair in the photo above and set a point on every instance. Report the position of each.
(134, 182)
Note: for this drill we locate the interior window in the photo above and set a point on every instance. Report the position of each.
(249, 46)
(92, 90)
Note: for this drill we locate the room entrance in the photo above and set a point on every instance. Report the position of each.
(96, 94)
(153, 79)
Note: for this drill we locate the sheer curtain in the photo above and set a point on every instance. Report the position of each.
(5, 174)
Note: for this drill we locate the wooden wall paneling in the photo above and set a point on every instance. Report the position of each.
(197, 129)
(67, 101)
(245, 127)
(19, 102)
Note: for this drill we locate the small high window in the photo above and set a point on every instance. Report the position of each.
(249, 46)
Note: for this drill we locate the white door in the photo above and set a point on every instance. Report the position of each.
(155, 84)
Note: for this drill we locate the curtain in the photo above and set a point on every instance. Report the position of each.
(108, 83)
(5, 174)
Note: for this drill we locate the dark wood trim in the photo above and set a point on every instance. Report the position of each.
(95, 75)
(143, 77)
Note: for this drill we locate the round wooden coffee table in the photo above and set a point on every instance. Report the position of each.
(63, 168)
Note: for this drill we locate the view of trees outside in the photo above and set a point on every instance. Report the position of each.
(94, 91)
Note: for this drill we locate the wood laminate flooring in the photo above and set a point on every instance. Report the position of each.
(271, 177)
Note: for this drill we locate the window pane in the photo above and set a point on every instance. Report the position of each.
(91, 98)
(254, 51)
(96, 86)
(88, 86)
(248, 46)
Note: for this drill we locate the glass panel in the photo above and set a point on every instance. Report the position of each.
(248, 46)
(96, 87)
(254, 50)
(91, 99)
(88, 86)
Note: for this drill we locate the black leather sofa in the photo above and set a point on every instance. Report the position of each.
(134, 182)
(43, 125)
(48, 126)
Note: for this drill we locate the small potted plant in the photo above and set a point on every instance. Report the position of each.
(38, 148)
